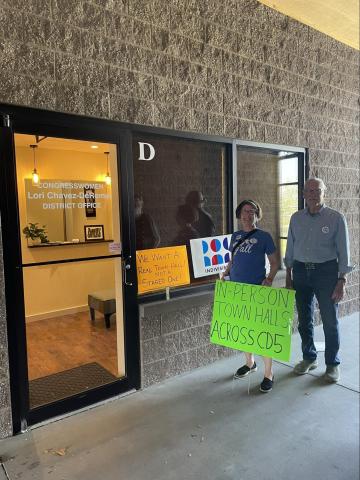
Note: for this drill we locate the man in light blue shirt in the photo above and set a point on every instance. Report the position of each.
(317, 260)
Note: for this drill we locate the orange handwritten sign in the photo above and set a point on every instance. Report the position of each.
(158, 268)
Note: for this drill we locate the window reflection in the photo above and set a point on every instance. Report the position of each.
(180, 193)
(271, 178)
(147, 235)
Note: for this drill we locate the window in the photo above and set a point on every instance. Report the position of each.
(180, 192)
(288, 197)
(271, 178)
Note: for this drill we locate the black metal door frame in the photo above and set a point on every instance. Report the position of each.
(38, 122)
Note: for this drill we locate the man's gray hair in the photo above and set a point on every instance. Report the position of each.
(316, 179)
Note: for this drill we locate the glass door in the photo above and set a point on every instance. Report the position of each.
(76, 297)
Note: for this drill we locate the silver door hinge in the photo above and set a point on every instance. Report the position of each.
(5, 120)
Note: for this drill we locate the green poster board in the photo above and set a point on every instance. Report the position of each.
(253, 318)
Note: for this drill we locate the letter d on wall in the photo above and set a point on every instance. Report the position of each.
(142, 151)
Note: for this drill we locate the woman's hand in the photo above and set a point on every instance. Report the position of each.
(267, 282)
(226, 272)
(274, 267)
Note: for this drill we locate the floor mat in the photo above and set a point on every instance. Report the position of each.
(61, 385)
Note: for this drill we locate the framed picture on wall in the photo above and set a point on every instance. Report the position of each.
(94, 233)
(89, 197)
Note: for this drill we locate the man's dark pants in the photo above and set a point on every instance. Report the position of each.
(317, 280)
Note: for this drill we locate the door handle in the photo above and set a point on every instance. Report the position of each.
(126, 268)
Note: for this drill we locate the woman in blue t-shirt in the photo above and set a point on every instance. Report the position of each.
(249, 247)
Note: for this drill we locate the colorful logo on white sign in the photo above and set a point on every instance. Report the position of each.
(210, 255)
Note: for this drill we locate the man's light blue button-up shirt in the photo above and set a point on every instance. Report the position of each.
(318, 238)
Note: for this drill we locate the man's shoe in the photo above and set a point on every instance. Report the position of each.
(332, 374)
(266, 385)
(245, 370)
(305, 366)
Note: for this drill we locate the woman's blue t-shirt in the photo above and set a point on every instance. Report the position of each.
(248, 260)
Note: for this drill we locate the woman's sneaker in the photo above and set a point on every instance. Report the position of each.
(266, 385)
(245, 370)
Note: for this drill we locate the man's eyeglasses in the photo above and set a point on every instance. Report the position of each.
(315, 190)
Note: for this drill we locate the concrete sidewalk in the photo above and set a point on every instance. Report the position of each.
(205, 426)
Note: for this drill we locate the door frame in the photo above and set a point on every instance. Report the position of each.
(34, 121)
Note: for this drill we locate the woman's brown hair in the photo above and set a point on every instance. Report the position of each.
(253, 204)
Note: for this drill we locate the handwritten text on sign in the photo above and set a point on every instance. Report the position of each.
(159, 268)
(253, 318)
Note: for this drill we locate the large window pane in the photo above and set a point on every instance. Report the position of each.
(72, 201)
(288, 170)
(288, 197)
(283, 243)
(180, 191)
(67, 351)
(257, 175)
(271, 179)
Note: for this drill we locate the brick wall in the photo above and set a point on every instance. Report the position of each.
(175, 337)
(227, 67)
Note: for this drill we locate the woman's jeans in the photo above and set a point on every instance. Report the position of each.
(319, 280)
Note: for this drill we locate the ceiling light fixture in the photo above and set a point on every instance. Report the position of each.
(35, 175)
(94, 146)
(107, 176)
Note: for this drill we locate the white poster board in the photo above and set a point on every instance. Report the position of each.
(210, 255)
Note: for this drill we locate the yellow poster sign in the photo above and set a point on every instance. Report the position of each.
(159, 268)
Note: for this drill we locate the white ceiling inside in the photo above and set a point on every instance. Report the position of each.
(52, 143)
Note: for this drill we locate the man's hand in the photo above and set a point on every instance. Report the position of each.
(339, 292)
